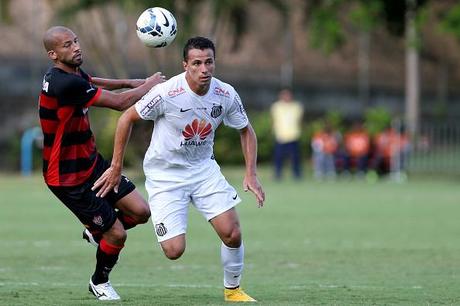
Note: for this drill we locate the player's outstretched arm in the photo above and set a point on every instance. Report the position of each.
(110, 179)
(113, 84)
(249, 147)
(122, 101)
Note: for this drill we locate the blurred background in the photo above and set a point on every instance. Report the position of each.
(388, 64)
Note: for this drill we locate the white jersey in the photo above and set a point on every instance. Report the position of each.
(185, 123)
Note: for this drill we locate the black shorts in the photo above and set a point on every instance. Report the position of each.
(97, 214)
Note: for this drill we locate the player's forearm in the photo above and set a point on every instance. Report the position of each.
(113, 84)
(129, 97)
(249, 147)
(122, 135)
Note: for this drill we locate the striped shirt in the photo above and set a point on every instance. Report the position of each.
(69, 151)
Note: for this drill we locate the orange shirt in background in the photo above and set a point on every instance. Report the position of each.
(357, 143)
(325, 142)
(390, 142)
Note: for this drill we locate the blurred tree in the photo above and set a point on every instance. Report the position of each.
(451, 21)
(366, 16)
(401, 18)
(450, 24)
(4, 11)
(376, 120)
(326, 32)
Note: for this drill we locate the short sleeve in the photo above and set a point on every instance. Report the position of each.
(75, 90)
(151, 105)
(236, 115)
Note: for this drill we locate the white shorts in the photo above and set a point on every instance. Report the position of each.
(211, 194)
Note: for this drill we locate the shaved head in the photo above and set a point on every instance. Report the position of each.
(63, 48)
(51, 36)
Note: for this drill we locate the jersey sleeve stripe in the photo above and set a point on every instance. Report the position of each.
(49, 126)
(94, 99)
(47, 114)
(48, 102)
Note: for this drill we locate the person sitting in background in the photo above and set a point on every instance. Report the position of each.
(391, 151)
(325, 144)
(287, 117)
(357, 146)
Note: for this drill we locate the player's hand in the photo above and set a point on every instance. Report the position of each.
(155, 79)
(109, 180)
(251, 182)
(133, 83)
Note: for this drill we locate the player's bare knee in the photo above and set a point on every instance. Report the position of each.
(173, 253)
(121, 235)
(117, 234)
(233, 238)
(144, 216)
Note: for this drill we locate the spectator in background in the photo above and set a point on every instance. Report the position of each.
(391, 151)
(287, 117)
(325, 144)
(357, 146)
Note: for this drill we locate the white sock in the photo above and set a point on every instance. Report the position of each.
(232, 262)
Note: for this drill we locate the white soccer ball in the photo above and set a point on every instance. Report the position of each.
(156, 27)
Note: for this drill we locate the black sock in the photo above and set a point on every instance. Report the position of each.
(104, 263)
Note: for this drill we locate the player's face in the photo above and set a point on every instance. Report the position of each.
(67, 50)
(199, 69)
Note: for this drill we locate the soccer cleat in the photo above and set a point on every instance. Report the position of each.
(89, 237)
(237, 295)
(103, 292)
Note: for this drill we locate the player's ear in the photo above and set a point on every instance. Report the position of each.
(52, 55)
(184, 64)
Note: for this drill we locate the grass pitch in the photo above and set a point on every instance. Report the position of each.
(332, 243)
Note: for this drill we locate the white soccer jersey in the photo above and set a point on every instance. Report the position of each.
(184, 124)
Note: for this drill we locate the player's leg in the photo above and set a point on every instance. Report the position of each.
(98, 216)
(216, 199)
(103, 219)
(132, 210)
(173, 248)
(227, 226)
(168, 202)
(107, 255)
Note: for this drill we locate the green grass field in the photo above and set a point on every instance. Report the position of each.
(333, 243)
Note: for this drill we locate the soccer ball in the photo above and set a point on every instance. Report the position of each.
(156, 27)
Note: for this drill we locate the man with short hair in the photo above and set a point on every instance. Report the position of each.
(71, 162)
(287, 115)
(179, 164)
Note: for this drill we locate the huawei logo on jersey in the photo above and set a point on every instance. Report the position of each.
(200, 128)
(176, 91)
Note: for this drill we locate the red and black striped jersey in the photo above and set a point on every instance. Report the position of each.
(69, 151)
